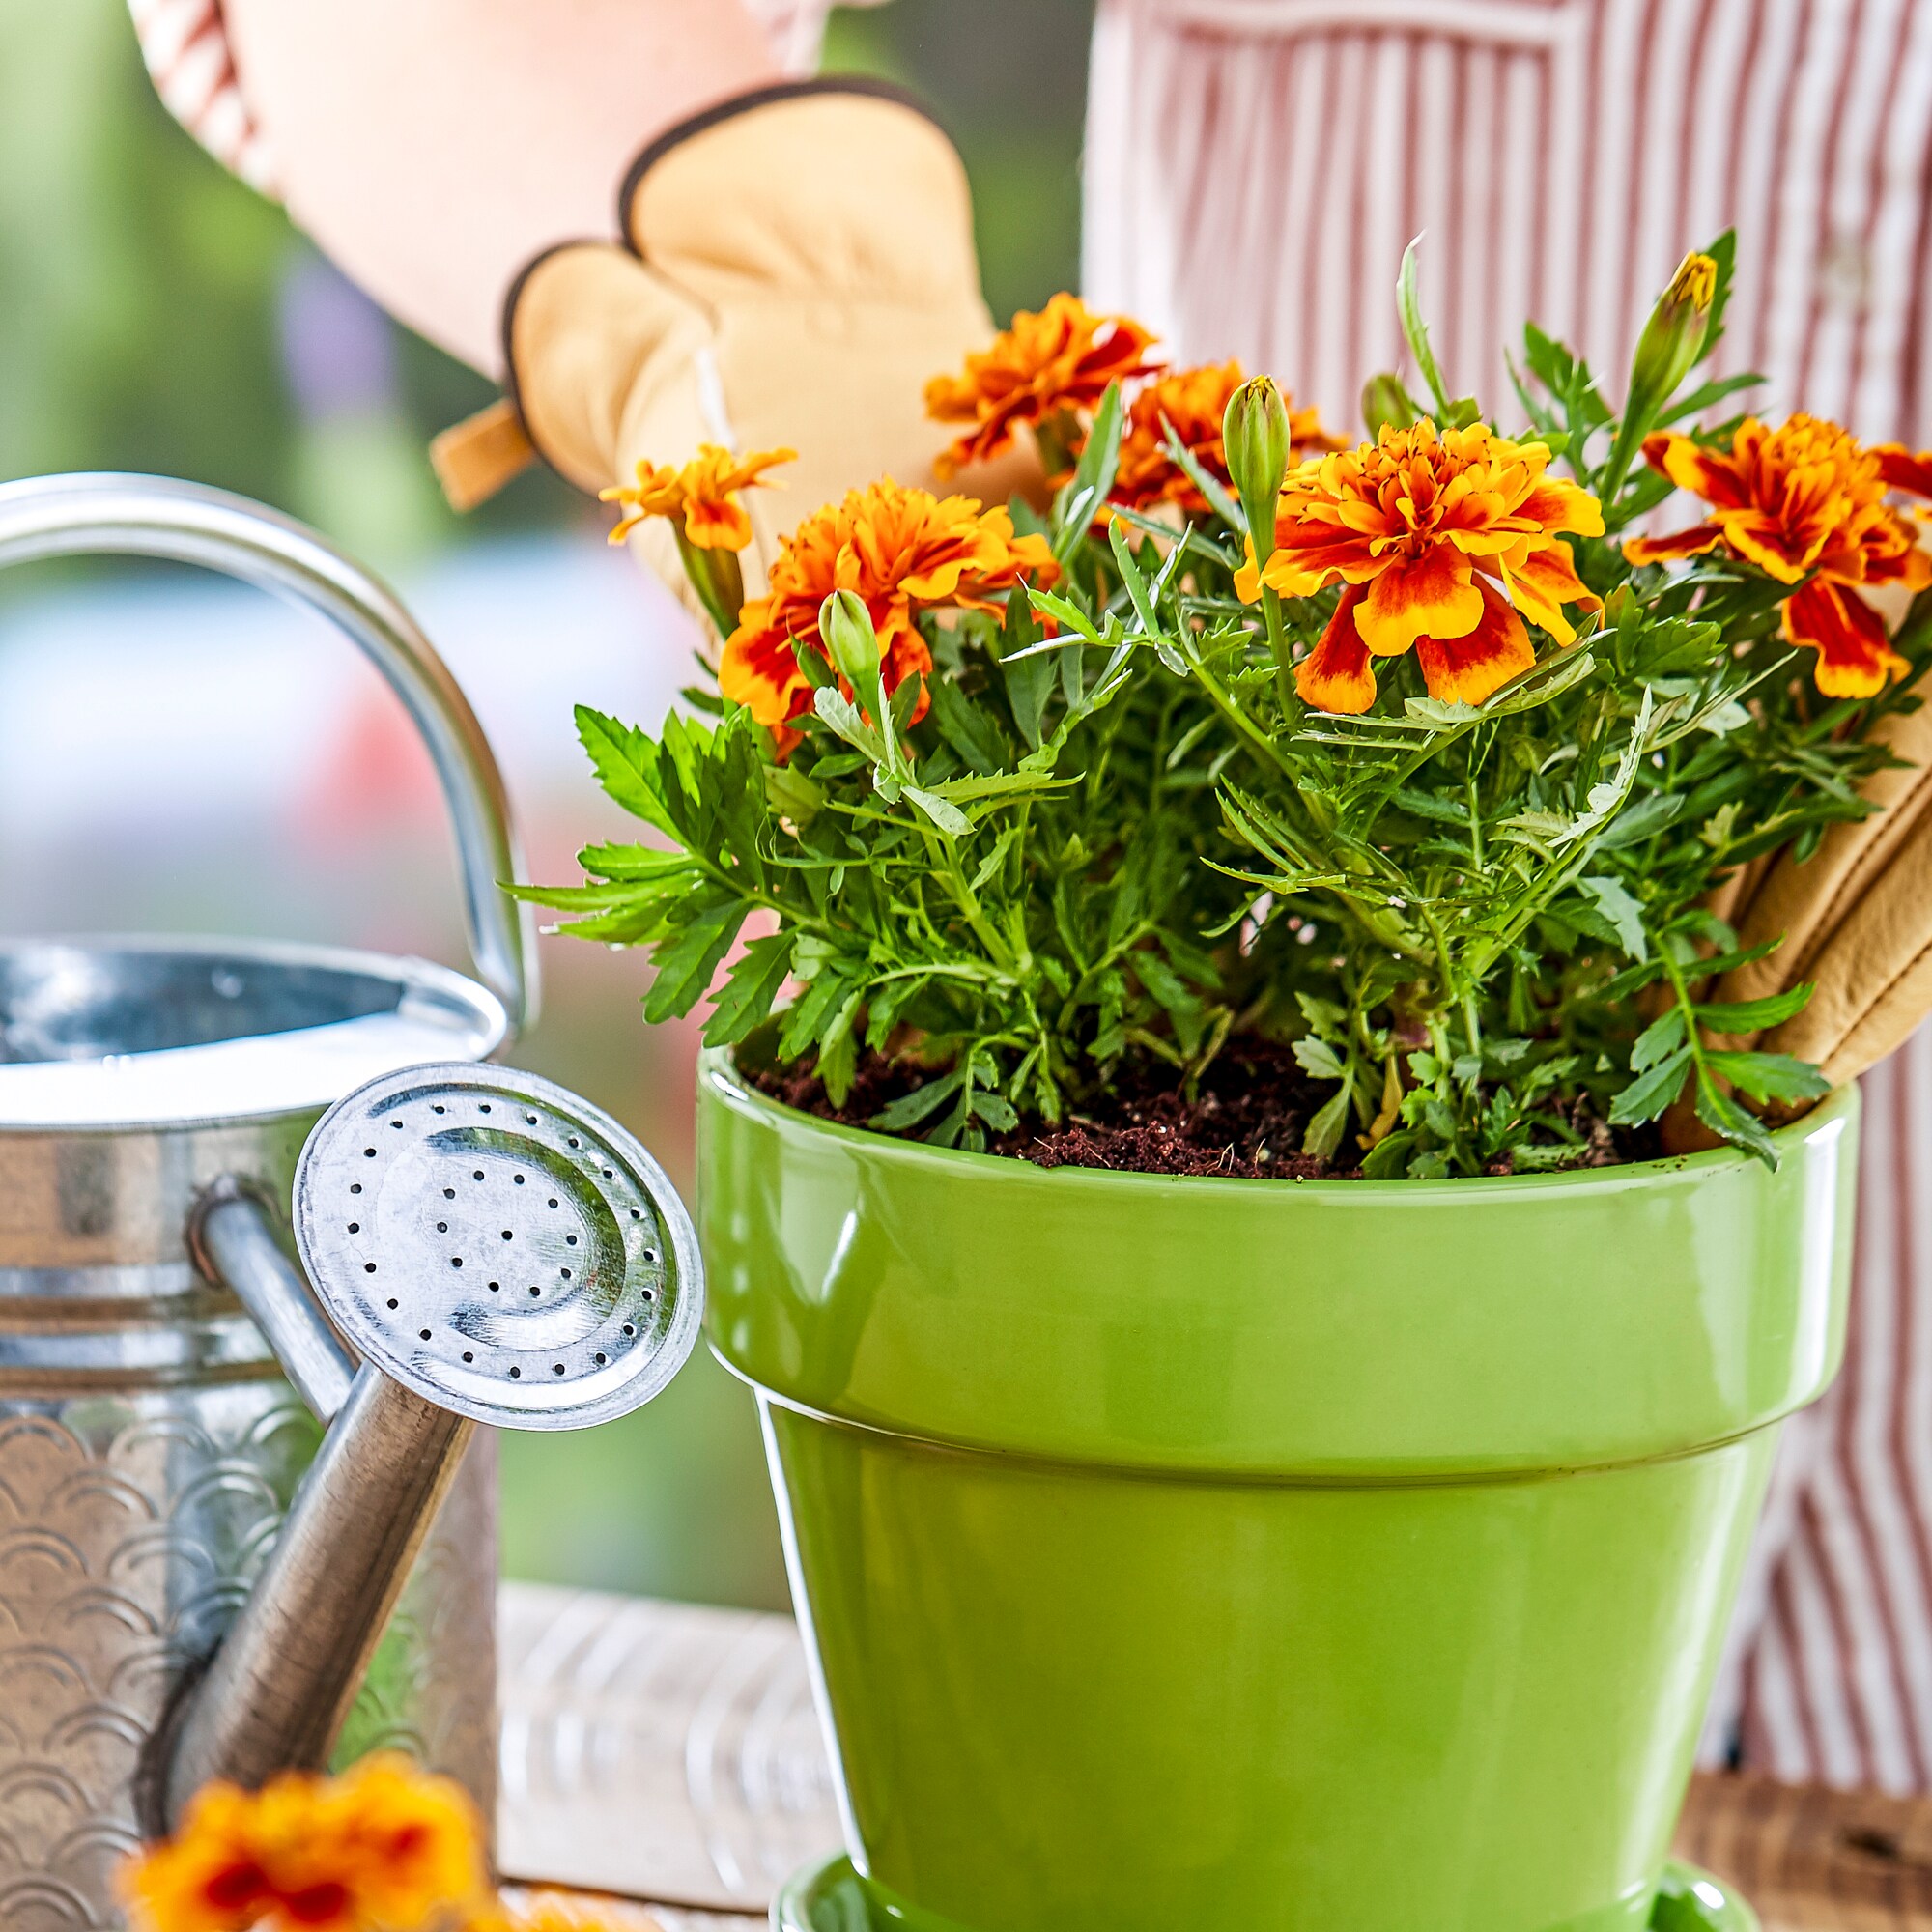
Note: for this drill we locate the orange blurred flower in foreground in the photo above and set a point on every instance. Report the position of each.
(703, 494)
(1043, 367)
(902, 551)
(1193, 402)
(385, 1848)
(1427, 533)
(1801, 498)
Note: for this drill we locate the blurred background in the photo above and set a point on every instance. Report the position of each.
(179, 754)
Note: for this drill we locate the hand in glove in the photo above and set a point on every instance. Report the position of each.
(796, 265)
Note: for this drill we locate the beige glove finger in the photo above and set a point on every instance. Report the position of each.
(1808, 904)
(828, 229)
(576, 315)
(1873, 974)
(606, 356)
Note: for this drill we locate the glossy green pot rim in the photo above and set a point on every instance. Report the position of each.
(716, 1064)
(1337, 1330)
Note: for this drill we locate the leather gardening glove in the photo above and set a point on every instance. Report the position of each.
(1856, 919)
(1874, 972)
(796, 265)
(1809, 903)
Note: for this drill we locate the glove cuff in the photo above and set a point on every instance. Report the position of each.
(861, 87)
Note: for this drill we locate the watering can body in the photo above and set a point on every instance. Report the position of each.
(151, 1441)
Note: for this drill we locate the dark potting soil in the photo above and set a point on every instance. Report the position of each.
(1246, 1119)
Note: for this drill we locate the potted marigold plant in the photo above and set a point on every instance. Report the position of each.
(1266, 1428)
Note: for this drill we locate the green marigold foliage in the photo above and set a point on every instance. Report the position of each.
(1482, 927)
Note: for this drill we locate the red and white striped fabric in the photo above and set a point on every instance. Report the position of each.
(185, 50)
(1254, 168)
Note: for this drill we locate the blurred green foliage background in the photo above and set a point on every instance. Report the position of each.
(143, 298)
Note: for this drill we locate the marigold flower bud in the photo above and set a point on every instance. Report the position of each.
(850, 641)
(1387, 404)
(1256, 433)
(1673, 338)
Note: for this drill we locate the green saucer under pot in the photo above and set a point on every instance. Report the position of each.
(832, 1897)
(1263, 1557)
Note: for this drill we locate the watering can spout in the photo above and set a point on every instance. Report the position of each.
(279, 1689)
(494, 1250)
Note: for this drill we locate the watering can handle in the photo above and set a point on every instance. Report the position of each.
(189, 523)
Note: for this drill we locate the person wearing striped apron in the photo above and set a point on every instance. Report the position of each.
(1254, 169)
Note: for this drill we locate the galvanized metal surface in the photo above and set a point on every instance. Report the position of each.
(233, 1238)
(132, 1524)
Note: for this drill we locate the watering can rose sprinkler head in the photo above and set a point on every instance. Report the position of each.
(496, 1251)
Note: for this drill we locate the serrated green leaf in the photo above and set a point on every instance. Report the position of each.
(1652, 1092)
(1733, 1123)
(1316, 1058)
(1770, 1076)
(1323, 1134)
(1659, 1038)
(626, 763)
(910, 1109)
(744, 1000)
(1079, 501)
(685, 966)
(1753, 1015)
(1614, 900)
(942, 812)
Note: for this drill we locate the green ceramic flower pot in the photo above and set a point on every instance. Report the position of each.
(1261, 1557)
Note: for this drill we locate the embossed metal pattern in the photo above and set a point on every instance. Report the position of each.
(660, 1750)
(130, 1529)
(500, 1247)
(149, 1448)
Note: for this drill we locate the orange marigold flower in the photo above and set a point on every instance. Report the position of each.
(1801, 499)
(1194, 402)
(1044, 366)
(703, 492)
(1427, 533)
(385, 1848)
(902, 551)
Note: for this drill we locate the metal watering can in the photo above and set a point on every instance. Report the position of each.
(189, 1586)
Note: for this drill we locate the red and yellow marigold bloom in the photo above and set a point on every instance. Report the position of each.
(1807, 500)
(1445, 543)
(385, 1846)
(703, 494)
(902, 551)
(1047, 365)
(1193, 403)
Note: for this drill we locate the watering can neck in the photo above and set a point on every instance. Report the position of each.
(494, 1250)
(279, 1689)
(280, 1686)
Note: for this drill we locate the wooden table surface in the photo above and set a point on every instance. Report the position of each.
(670, 1753)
